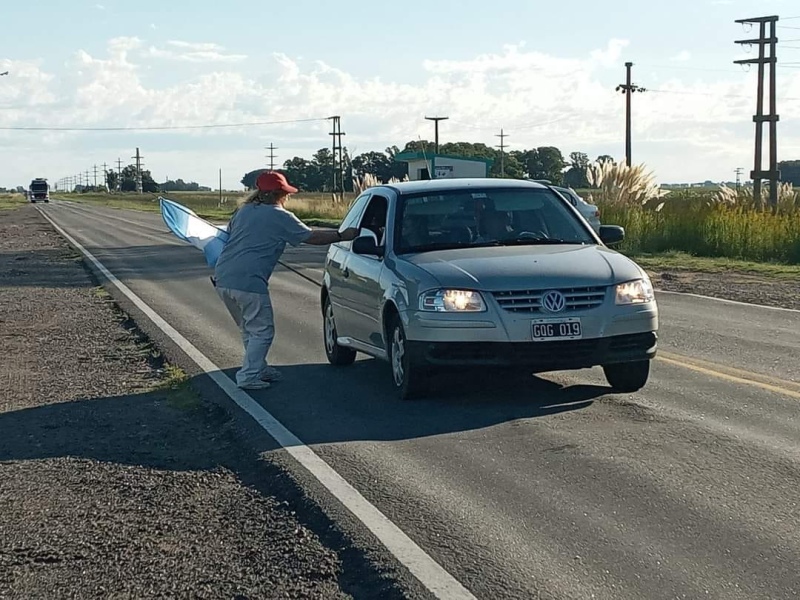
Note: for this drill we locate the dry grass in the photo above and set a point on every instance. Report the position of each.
(716, 224)
(8, 201)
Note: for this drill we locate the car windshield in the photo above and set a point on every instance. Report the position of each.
(490, 217)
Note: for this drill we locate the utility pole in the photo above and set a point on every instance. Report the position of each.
(220, 186)
(763, 41)
(87, 178)
(337, 148)
(119, 175)
(628, 89)
(95, 177)
(502, 147)
(738, 172)
(436, 130)
(271, 156)
(138, 158)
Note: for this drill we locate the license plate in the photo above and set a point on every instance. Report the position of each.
(568, 328)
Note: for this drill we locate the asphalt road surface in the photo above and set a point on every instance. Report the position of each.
(546, 487)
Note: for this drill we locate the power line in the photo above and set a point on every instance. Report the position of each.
(657, 91)
(163, 128)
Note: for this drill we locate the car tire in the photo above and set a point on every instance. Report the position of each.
(409, 377)
(337, 355)
(629, 376)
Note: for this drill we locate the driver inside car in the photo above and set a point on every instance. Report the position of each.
(496, 225)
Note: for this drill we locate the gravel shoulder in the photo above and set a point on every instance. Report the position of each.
(118, 478)
(731, 285)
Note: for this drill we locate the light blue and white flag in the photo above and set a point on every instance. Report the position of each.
(189, 227)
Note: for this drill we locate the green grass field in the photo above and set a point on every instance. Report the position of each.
(11, 201)
(687, 230)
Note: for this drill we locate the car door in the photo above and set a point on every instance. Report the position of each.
(334, 266)
(361, 291)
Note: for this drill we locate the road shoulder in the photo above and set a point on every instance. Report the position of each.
(118, 478)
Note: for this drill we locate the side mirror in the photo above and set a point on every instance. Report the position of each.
(366, 244)
(612, 234)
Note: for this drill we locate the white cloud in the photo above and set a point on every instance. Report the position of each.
(682, 56)
(683, 131)
(193, 52)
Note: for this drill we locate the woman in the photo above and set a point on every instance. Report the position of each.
(259, 231)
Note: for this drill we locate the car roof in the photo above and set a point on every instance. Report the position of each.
(440, 185)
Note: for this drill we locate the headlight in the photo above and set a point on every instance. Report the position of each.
(451, 301)
(635, 292)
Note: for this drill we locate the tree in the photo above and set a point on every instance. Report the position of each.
(375, 163)
(575, 177)
(606, 158)
(129, 180)
(249, 179)
(112, 179)
(790, 171)
(545, 162)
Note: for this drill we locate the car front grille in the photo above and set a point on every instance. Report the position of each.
(530, 301)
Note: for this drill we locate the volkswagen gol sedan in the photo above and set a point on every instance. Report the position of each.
(487, 273)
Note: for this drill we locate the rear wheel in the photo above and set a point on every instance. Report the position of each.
(408, 376)
(628, 377)
(337, 355)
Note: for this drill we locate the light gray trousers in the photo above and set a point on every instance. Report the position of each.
(253, 314)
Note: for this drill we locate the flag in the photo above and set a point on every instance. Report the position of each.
(189, 227)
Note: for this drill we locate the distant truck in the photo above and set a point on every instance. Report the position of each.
(39, 190)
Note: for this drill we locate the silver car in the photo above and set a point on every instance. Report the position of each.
(484, 273)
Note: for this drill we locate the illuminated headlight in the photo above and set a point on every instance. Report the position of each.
(635, 292)
(452, 301)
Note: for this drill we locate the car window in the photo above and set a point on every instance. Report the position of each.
(353, 215)
(464, 218)
(374, 218)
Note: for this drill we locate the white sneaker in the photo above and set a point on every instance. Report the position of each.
(254, 385)
(271, 374)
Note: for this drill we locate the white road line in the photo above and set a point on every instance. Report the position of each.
(435, 578)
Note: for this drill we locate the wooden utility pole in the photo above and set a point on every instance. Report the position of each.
(628, 89)
(502, 147)
(436, 130)
(765, 40)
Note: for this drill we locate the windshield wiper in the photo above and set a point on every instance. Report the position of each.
(439, 246)
(539, 242)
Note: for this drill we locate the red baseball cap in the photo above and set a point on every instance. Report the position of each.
(272, 181)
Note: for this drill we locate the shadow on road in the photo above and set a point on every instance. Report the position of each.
(324, 404)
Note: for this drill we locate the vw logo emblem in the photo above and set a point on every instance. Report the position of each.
(554, 301)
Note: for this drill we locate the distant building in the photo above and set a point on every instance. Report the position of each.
(427, 165)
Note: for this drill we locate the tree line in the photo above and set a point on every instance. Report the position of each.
(545, 162)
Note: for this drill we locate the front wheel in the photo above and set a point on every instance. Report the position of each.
(628, 377)
(337, 355)
(408, 376)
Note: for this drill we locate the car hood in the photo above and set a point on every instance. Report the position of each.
(515, 267)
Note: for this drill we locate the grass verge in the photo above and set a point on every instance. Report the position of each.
(10, 201)
(683, 262)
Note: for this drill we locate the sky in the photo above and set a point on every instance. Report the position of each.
(544, 73)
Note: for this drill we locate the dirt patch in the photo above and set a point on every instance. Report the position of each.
(117, 479)
(741, 287)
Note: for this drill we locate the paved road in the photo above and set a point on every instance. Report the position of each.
(541, 487)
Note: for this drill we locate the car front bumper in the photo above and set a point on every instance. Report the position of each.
(497, 337)
(539, 356)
